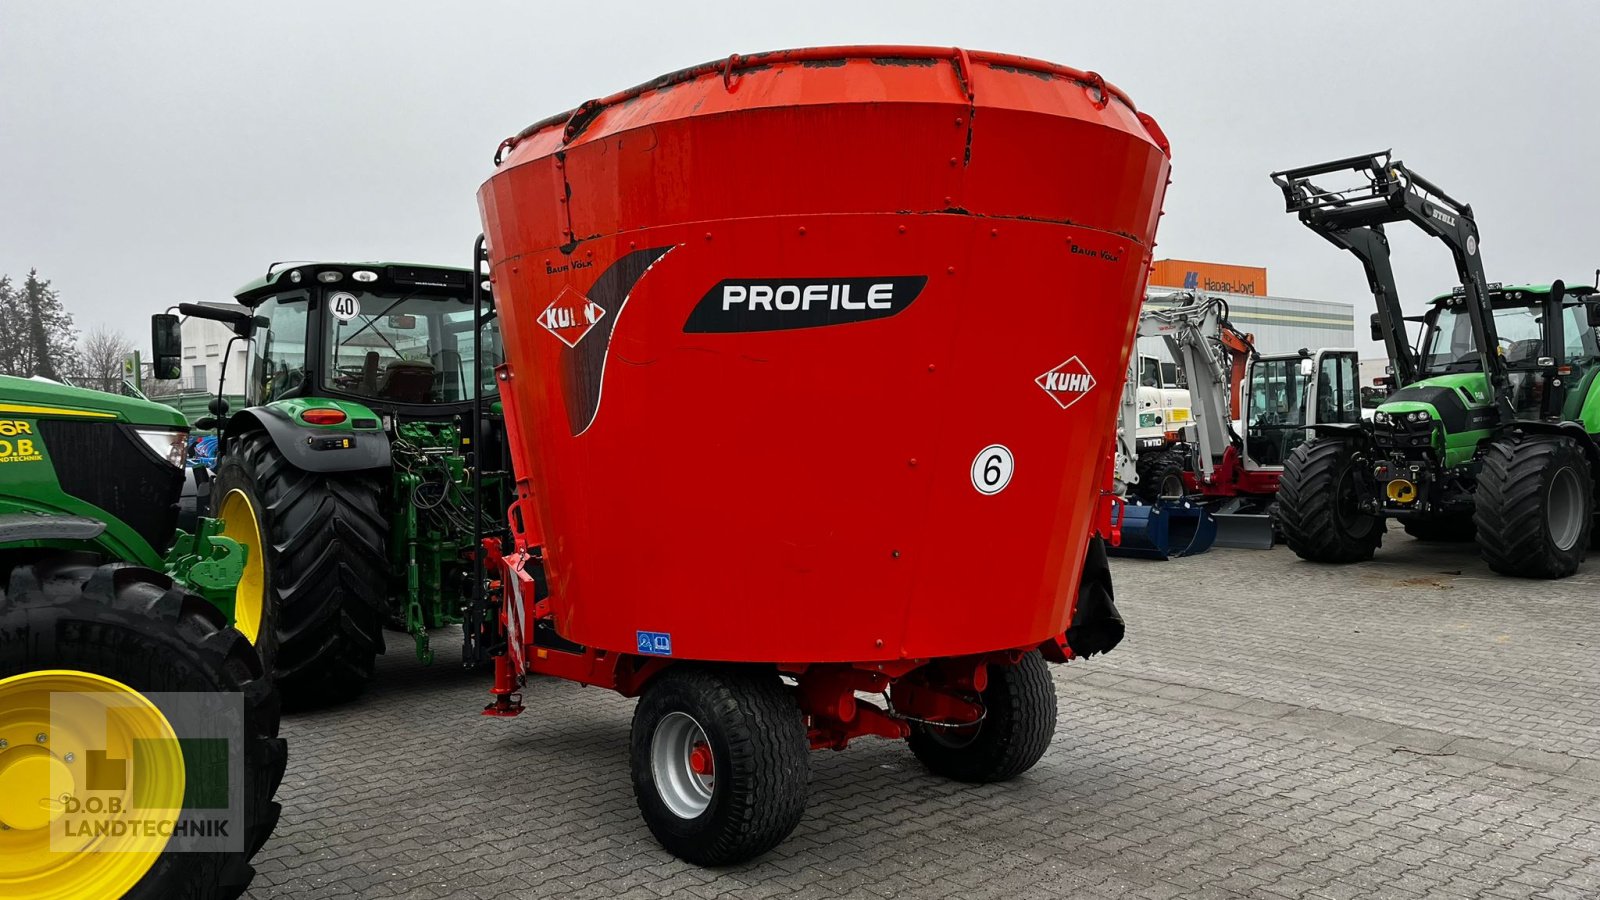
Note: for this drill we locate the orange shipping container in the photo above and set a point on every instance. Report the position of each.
(1207, 276)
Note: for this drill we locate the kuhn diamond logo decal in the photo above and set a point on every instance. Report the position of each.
(571, 315)
(1067, 383)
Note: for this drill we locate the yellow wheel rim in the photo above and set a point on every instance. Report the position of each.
(239, 522)
(91, 784)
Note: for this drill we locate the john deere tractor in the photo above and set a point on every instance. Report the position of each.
(136, 720)
(1491, 426)
(354, 456)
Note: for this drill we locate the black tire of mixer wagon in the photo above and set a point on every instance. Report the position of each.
(760, 754)
(1521, 490)
(1019, 720)
(327, 578)
(1160, 476)
(1452, 530)
(1316, 505)
(73, 611)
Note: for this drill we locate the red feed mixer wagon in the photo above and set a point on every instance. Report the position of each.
(812, 364)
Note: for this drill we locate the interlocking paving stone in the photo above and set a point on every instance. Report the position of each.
(1411, 727)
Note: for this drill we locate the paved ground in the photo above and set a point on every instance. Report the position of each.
(1413, 727)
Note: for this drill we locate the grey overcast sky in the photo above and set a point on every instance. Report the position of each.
(155, 151)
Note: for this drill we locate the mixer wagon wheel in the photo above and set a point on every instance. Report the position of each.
(720, 762)
(1019, 720)
(323, 594)
(1318, 505)
(100, 659)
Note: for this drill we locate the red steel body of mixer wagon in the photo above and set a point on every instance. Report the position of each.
(812, 363)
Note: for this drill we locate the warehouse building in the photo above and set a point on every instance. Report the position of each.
(1279, 324)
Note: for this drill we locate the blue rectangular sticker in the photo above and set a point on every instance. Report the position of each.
(655, 643)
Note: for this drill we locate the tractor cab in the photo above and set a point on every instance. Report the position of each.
(395, 337)
(1545, 351)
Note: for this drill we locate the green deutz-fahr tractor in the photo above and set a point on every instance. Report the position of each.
(115, 636)
(1491, 425)
(353, 459)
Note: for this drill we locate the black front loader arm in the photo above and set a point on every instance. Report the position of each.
(1353, 219)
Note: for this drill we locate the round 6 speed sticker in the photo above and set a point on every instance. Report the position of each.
(991, 470)
(345, 305)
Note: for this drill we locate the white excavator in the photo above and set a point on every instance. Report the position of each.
(1212, 478)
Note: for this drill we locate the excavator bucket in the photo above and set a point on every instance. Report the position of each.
(1165, 530)
(1242, 526)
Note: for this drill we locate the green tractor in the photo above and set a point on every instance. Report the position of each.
(1490, 428)
(134, 716)
(355, 458)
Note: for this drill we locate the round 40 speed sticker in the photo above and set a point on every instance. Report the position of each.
(344, 305)
(991, 470)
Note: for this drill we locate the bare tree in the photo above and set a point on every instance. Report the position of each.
(156, 388)
(101, 358)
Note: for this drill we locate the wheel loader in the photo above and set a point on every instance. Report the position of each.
(1490, 429)
(357, 456)
(128, 683)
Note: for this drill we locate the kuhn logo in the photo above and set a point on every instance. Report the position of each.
(1067, 383)
(781, 304)
(1443, 217)
(570, 316)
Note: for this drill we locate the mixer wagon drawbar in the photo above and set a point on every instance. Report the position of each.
(812, 361)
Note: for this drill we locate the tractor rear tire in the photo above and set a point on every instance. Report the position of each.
(750, 738)
(1317, 505)
(1019, 720)
(74, 613)
(1160, 476)
(1455, 529)
(326, 593)
(1535, 507)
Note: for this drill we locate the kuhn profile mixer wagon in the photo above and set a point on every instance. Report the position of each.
(812, 362)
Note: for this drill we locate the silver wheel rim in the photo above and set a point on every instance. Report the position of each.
(1172, 488)
(1564, 510)
(674, 761)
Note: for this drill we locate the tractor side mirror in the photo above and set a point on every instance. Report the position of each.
(1377, 329)
(1594, 314)
(166, 344)
(1307, 366)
